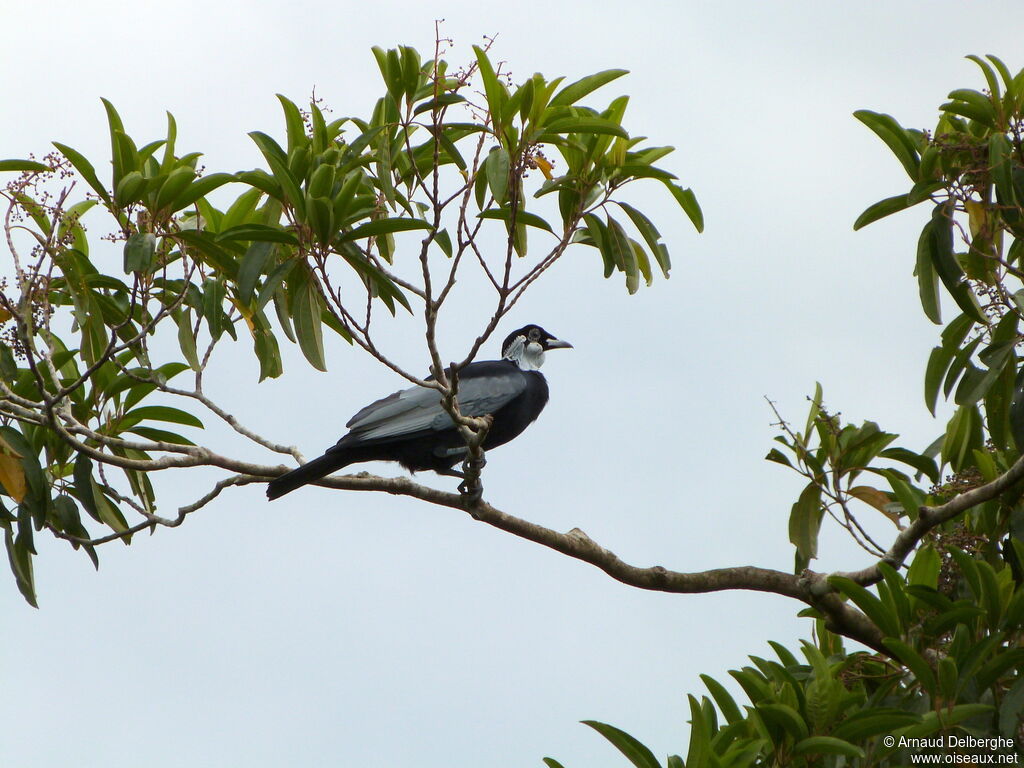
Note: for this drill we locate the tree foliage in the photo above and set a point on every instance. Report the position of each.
(353, 216)
(945, 597)
(348, 216)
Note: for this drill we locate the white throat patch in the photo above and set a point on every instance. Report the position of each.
(528, 356)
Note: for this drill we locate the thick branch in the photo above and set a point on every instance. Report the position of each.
(840, 617)
(929, 518)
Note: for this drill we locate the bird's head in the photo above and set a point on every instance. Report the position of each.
(526, 347)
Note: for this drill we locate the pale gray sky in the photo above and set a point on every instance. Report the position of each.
(334, 629)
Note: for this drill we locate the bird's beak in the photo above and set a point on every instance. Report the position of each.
(558, 344)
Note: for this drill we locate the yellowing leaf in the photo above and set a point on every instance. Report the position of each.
(12, 476)
(545, 167)
(245, 311)
(876, 499)
(977, 217)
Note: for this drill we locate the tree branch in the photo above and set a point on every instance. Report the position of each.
(840, 617)
(929, 518)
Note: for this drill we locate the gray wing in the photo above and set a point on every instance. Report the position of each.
(418, 409)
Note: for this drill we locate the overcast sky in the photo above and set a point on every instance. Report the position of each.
(355, 629)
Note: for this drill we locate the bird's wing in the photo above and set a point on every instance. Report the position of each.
(418, 409)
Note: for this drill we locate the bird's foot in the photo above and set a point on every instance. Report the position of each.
(474, 465)
(471, 492)
(471, 488)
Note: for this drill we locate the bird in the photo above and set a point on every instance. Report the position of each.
(412, 428)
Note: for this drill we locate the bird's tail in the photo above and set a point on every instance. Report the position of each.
(309, 472)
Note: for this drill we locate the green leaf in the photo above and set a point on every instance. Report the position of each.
(971, 104)
(688, 202)
(382, 227)
(82, 474)
(214, 293)
(108, 514)
(905, 494)
(650, 234)
(84, 167)
(294, 126)
(1000, 158)
(923, 464)
(934, 721)
(873, 722)
(175, 184)
(938, 363)
(884, 619)
(278, 162)
(139, 250)
(639, 755)
(19, 555)
(924, 570)
(262, 181)
(493, 89)
(595, 125)
(622, 254)
(522, 217)
(130, 188)
(1017, 411)
(596, 234)
(305, 307)
(881, 209)
(990, 76)
(172, 137)
(643, 262)
(573, 92)
(265, 346)
(160, 435)
(913, 661)
(258, 233)
(897, 597)
(1012, 706)
(752, 683)
(725, 702)
(449, 147)
(320, 217)
(353, 150)
(257, 257)
(242, 209)
(928, 281)
(963, 434)
(895, 137)
(186, 338)
(163, 413)
(699, 752)
(804, 523)
(444, 100)
(23, 165)
(815, 409)
(784, 717)
(200, 188)
(444, 241)
(991, 597)
(937, 238)
(827, 745)
(496, 168)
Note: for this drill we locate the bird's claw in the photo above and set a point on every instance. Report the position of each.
(475, 465)
(471, 487)
(472, 493)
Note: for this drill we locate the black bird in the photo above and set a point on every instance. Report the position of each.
(412, 428)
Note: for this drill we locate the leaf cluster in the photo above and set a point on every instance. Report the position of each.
(346, 215)
(955, 670)
(950, 626)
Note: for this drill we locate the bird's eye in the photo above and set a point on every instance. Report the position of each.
(534, 334)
